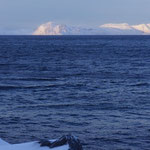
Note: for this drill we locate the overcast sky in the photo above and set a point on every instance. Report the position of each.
(31, 13)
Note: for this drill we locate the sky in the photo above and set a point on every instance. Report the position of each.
(27, 14)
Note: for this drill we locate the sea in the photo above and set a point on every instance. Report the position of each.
(96, 88)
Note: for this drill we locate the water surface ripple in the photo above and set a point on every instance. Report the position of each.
(95, 87)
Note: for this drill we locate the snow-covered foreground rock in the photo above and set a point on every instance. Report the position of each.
(64, 143)
(51, 28)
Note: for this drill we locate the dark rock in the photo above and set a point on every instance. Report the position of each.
(60, 142)
(72, 141)
(45, 143)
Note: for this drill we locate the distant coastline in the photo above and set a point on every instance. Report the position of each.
(51, 28)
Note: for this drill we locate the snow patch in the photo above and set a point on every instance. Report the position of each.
(2, 142)
(28, 146)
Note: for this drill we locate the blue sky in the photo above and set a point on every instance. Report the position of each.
(31, 13)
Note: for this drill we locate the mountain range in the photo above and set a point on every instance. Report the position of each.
(51, 28)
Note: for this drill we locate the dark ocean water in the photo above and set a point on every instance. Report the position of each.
(95, 87)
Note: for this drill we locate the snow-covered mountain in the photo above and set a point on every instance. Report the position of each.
(122, 26)
(141, 28)
(51, 28)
